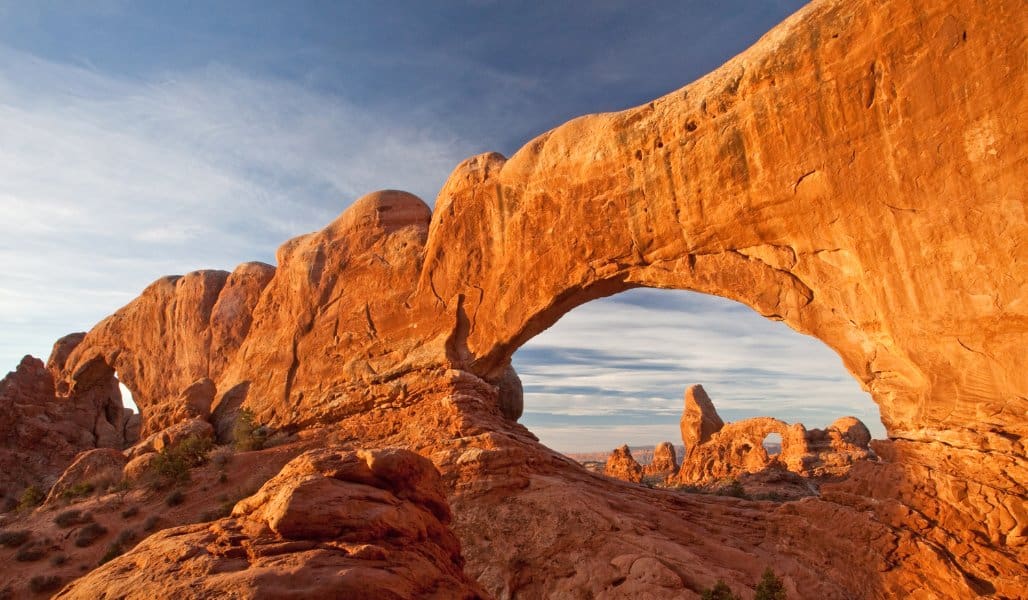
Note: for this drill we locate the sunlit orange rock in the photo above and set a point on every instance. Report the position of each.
(621, 465)
(858, 174)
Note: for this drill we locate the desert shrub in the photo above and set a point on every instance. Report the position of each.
(221, 456)
(44, 583)
(770, 587)
(31, 498)
(12, 538)
(72, 517)
(151, 522)
(247, 433)
(224, 509)
(58, 559)
(89, 534)
(720, 591)
(172, 464)
(732, 488)
(175, 498)
(31, 553)
(125, 540)
(130, 512)
(77, 491)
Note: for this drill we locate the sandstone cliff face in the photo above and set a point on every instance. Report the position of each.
(858, 173)
(40, 433)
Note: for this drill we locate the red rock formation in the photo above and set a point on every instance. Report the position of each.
(699, 418)
(664, 463)
(737, 448)
(857, 174)
(622, 466)
(40, 433)
(331, 524)
(94, 468)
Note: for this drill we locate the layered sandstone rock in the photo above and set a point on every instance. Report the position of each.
(735, 449)
(621, 465)
(92, 469)
(41, 433)
(699, 418)
(331, 524)
(664, 463)
(857, 174)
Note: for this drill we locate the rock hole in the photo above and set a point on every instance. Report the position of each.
(773, 443)
(638, 155)
(690, 125)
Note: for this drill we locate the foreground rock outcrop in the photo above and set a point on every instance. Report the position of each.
(858, 174)
(331, 524)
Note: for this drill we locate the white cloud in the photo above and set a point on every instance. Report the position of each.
(108, 183)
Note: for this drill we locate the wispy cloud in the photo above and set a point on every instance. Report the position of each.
(107, 183)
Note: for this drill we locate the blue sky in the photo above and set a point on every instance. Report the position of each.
(146, 138)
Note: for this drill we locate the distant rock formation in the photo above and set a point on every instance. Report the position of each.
(331, 524)
(699, 418)
(736, 448)
(664, 462)
(621, 465)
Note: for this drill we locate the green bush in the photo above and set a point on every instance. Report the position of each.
(720, 591)
(247, 433)
(44, 583)
(12, 538)
(770, 587)
(89, 534)
(31, 498)
(172, 464)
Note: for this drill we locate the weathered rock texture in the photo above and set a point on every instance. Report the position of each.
(738, 448)
(41, 432)
(858, 174)
(331, 524)
(621, 465)
(699, 418)
(665, 461)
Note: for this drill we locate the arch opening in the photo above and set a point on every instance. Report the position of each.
(612, 371)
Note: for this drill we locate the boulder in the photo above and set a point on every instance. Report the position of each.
(93, 468)
(332, 524)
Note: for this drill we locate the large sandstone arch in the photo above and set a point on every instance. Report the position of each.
(858, 174)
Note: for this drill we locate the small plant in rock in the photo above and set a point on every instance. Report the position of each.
(89, 534)
(31, 498)
(224, 509)
(31, 553)
(720, 591)
(72, 517)
(247, 433)
(732, 488)
(78, 490)
(175, 498)
(12, 538)
(172, 464)
(770, 587)
(44, 583)
(125, 540)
